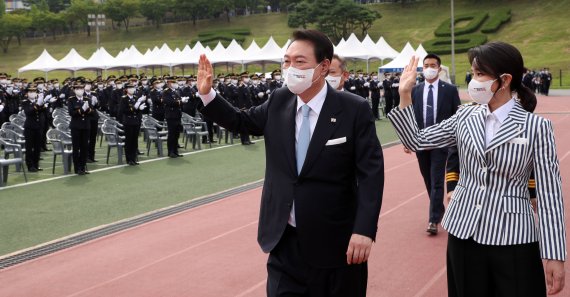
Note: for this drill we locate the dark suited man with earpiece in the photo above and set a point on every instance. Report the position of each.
(324, 175)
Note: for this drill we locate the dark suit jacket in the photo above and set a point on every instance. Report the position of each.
(447, 102)
(339, 190)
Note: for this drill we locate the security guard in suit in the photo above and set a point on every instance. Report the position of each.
(130, 110)
(173, 115)
(81, 110)
(34, 110)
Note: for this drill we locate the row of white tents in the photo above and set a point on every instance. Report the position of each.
(234, 54)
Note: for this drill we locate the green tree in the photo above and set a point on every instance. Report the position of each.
(121, 11)
(51, 5)
(76, 13)
(336, 18)
(46, 21)
(12, 25)
(154, 11)
(2, 8)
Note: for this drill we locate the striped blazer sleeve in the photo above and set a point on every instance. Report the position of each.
(549, 194)
(436, 136)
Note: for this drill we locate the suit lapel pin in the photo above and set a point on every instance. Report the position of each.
(333, 120)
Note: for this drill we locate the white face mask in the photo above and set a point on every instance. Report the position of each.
(430, 73)
(87, 87)
(174, 86)
(234, 81)
(40, 87)
(192, 83)
(161, 85)
(278, 77)
(79, 92)
(119, 86)
(145, 82)
(255, 82)
(131, 91)
(100, 87)
(481, 92)
(56, 86)
(3, 81)
(299, 80)
(375, 77)
(334, 81)
(246, 80)
(32, 95)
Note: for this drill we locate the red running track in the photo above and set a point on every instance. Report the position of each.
(212, 250)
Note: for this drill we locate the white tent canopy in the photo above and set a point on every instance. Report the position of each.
(403, 59)
(73, 61)
(45, 62)
(234, 54)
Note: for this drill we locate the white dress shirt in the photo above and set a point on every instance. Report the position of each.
(316, 104)
(494, 120)
(435, 85)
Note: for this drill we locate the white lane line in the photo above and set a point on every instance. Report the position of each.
(431, 282)
(162, 259)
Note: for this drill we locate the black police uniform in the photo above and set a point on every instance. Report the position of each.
(80, 126)
(173, 116)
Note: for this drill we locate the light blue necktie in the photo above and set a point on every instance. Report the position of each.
(304, 138)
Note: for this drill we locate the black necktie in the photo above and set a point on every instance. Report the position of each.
(429, 107)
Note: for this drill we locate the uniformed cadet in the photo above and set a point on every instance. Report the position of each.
(156, 99)
(173, 116)
(276, 81)
(116, 96)
(34, 108)
(80, 110)
(45, 120)
(375, 87)
(130, 110)
(92, 96)
(243, 102)
(388, 98)
(258, 90)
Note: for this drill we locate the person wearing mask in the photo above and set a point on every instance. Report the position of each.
(156, 99)
(375, 86)
(338, 74)
(117, 93)
(495, 246)
(324, 177)
(91, 95)
(243, 102)
(388, 98)
(173, 115)
(433, 101)
(276, 81)
(33, 108)
(258, 90)
(130, 110)
(80, 110)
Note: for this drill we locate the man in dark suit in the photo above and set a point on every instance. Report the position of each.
(324, 177)
(434, 101)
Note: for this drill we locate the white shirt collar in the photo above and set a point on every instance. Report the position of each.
(503, 111)
(316, 104)
(435, 84)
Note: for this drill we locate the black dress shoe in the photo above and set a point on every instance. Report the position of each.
(81, 173)
(135, 163)
(140, 153)
(131, 163)
(179, 155)
(86, 172)
(172, 155)
(179, 146)
(432, 229)
(88, 161)
(32, 169)
(40, 169)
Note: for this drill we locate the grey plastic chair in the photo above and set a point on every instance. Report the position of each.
(113, 141)
(58, 139)
(5, 163)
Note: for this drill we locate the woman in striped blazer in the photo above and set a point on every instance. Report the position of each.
(495, 245)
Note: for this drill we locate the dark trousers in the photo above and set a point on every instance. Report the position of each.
(244, 137)
(174, 127)
(92, 139)
(375, 103)
(33, 147)
(475, 270)
(131, 142)
(289, 275)
(432, 167)
(80, 142)
(389, 103)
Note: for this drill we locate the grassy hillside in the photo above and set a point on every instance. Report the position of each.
(538, 28)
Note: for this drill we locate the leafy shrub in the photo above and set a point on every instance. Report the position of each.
(476, 19)
(495, 22)
(442, 45)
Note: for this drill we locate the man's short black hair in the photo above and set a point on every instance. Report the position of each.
(433, 56)
(322, 44)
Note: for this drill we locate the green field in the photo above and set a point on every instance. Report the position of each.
(539, 28)
(40, 212)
